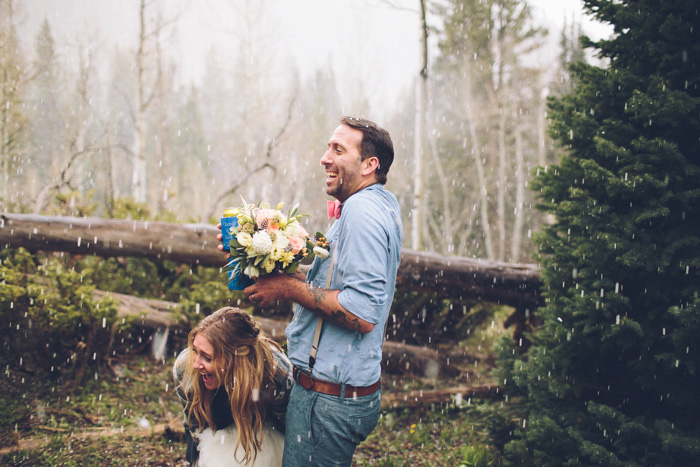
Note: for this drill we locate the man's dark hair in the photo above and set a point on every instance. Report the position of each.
(376, 142)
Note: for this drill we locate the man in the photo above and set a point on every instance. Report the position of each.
(336, 401)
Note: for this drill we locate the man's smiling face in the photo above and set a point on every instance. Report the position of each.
(343, 163)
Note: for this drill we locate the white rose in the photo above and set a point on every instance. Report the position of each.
(268, 264)
(262, 243)
(321, 252)
(244, 239)
(252, 272)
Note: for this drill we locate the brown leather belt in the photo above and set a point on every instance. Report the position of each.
(333, 389)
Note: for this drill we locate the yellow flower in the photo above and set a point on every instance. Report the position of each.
(276, 252)
(268, 264)
(245, 239)
(287, 258)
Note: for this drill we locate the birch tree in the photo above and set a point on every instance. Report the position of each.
(418, 220)
(149, 81)
(12, 119)
(462, 69)
(486, 93)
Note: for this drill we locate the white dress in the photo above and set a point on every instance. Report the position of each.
(217, 449)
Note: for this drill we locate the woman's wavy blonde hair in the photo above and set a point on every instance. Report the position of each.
(246, 368)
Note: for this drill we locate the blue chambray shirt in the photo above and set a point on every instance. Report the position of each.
(368, 238)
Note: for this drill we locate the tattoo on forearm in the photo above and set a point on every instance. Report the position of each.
(318, 294)
(340, 317)
(337, 316)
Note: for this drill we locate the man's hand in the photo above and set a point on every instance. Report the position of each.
(323, 302)
(220, 246)
(270, 288)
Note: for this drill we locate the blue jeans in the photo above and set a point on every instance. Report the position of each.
(324, 430)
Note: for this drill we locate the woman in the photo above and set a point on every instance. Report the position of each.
(234, 384)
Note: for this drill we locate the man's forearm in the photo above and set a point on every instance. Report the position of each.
(324, 302)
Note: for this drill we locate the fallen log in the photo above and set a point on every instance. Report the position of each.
(457, 395)
(186, 243)
(173, 426)
(516, 285)
(398, 358)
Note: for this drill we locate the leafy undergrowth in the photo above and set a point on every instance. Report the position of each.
(444, 436)
(120, 417)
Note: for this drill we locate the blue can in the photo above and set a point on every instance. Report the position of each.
(228, 222)
(236, 279)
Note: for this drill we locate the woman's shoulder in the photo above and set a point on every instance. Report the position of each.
(179, 365)
(281, 360)
(284, 378)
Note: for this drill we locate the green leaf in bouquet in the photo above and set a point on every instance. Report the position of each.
(292, 268)
(237, 253)
(293, 212)
(320, 237)
(233, 263)
(309, 249)
(234, 243)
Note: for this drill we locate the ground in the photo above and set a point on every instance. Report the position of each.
(127, 414)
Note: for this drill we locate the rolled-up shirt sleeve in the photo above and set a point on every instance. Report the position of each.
(362, 265)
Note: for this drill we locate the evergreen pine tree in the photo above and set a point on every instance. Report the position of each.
(612, 377)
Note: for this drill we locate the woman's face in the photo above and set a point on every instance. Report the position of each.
(204, 361)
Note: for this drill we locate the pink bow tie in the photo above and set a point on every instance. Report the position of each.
(333, 209)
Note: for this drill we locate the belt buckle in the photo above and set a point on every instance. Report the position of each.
(306, 381)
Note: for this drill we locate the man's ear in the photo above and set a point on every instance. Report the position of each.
(369, 165)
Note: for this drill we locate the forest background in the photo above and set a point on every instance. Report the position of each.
(126, 106)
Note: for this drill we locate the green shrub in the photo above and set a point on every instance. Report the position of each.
(52, 322)
(475, 455)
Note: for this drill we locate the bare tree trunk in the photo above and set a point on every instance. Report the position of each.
(159, 202)
(138, 177)
(419, 204)
(481, 177)
(11, 82)
(501, 184)
(446, 231)
(520, 180)
(112, 192)
(541, 139)
(541, 128)
(85, 70)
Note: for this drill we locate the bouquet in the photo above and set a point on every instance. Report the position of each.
(266, 241)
